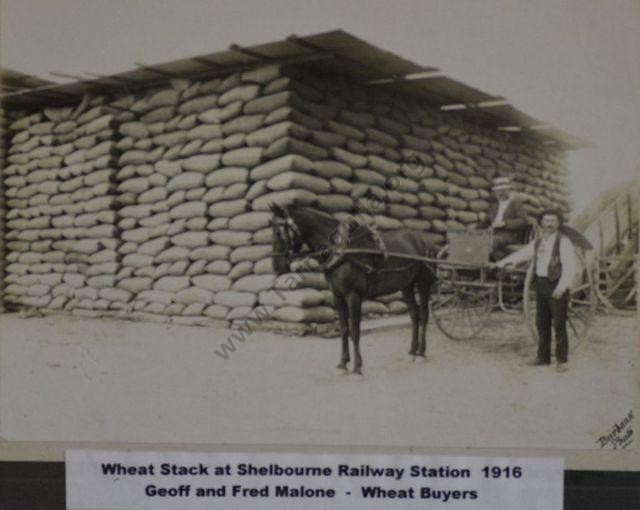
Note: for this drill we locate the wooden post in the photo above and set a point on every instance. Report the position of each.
(600, 237)
(617, 222)
(630, 215)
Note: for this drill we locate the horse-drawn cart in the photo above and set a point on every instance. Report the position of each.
(457, 286)
(469, 290)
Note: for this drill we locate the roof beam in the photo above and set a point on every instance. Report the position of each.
(11, 87)
(454, 106)
(44, 90)
(118, 79)
(154, 70)
(209, 63)
(66, 75)
(250, 53)
(498, 101)
(432, 72)
(89, 85)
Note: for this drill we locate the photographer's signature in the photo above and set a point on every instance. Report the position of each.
(619, 436)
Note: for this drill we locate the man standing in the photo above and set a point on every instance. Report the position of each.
(507, 217)
(554, 268)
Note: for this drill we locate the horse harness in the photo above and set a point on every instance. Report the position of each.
(339, 257)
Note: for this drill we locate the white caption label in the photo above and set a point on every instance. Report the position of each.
(99, 480)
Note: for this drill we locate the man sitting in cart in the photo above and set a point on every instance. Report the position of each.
(507, 217)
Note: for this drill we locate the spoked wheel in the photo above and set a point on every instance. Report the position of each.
(461, 308)
(510, 287)
(581, 309)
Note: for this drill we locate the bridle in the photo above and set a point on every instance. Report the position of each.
(291, 234)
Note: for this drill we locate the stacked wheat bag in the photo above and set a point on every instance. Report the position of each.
(229, 148)
(61, 236)
(183, 230)
(3, 206)
(195, 224)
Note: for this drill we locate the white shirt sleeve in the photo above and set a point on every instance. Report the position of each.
(569, 263)
(524, 254)
(502, 207)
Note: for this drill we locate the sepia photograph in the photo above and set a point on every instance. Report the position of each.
(348, 224)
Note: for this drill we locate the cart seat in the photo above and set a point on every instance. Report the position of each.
(528, 236)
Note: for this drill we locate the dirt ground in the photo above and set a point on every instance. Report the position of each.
(99, 380)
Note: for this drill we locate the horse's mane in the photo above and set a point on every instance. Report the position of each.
(310, 212)
(329, 221)
(320, 213)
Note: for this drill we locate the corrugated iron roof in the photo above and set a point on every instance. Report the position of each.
(446, 91)
(13, 81)
(331, 52)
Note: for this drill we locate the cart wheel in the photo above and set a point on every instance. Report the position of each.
(461, 309)
(509, 287)
(581, 309)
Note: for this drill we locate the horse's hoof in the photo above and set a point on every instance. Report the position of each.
(342, 366)
(356, 371)
(410, 358)
(421, 358)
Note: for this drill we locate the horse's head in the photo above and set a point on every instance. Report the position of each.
(287, 240)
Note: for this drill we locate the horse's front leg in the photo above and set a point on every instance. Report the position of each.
(423, 319)
(354, 304)
(343, 315)
(410, 299)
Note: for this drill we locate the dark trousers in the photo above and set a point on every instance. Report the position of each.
(551, 312)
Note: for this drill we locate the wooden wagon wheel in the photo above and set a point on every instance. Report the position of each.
(582, 304)
(460, 306)
(509, 290)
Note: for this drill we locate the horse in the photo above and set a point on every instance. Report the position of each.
(358, 263)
